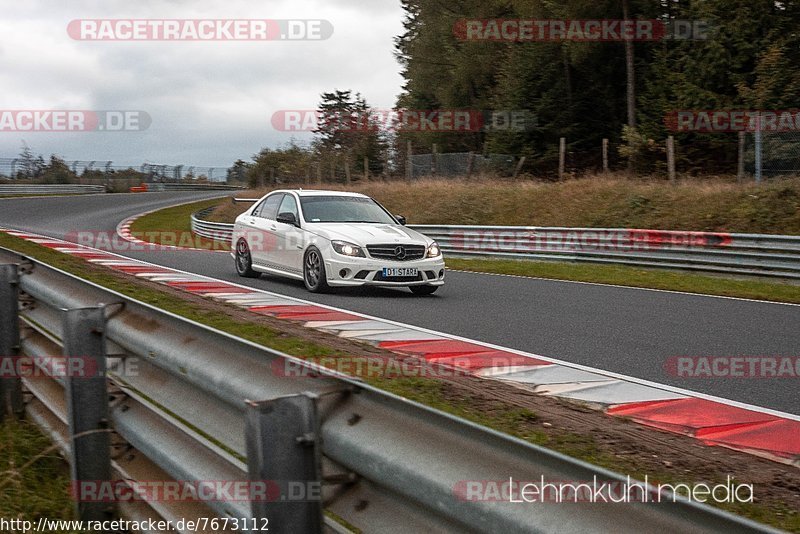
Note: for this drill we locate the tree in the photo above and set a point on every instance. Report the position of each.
(238, 171)
(280, 165)
(31, 165)
(347, 128)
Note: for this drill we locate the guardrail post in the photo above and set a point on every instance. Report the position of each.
(283, 451)
(10, 385)
(87, 405)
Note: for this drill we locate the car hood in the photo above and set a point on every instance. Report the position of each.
(368, 234)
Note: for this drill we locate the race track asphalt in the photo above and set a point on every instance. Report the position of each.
(623, 330)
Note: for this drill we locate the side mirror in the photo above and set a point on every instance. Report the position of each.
(400, 219)
(288, 218)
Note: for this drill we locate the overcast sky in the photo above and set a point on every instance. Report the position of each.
(210, 102)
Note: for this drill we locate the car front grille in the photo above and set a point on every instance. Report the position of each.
(397, 252)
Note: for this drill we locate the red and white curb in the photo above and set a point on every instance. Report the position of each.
(712, 420)
(124, 231)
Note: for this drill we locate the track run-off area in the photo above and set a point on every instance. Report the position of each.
(629, 331)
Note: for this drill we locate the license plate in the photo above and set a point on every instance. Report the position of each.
(400, 271)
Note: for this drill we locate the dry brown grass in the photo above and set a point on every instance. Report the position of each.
(710, 204)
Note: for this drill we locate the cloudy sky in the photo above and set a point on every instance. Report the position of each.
(210, 102)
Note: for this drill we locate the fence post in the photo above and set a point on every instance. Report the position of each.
(366, 169)
(87, 405)
(11, 386)
(740, 163)
(409, 162)
(758, 147)
(272, 176)
(433, 159)
(347, 169)
(282, 439)
(562, 155)
(605, 155)
(319, 172)
(470, 163)
(671, 158)
(518, 168)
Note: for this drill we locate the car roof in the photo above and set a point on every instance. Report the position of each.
(319, 192)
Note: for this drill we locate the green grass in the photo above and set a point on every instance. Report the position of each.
(631, 276)
(172, 226)
(34, 479)
(514, 421)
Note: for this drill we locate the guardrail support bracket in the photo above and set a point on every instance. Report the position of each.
(283, 451)
(87, 405)
(10, 384)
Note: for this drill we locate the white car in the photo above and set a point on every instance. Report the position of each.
(331, 238)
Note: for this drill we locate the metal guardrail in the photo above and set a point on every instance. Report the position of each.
(168, 186)
(49, 189)
(203, 405)
(751, 254)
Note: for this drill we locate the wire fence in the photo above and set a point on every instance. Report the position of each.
(459, 164)
(769, 154)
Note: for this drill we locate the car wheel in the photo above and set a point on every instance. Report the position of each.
(314, 275)
(423, 290)
(244, 261)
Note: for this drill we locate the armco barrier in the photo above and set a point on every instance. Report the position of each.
(751, 254)
(49, 189)
(184, 403)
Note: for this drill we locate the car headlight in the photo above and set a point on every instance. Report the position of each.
(348, 249)
(433, 250)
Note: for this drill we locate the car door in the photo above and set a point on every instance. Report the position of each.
(262, 236)
(291, 239)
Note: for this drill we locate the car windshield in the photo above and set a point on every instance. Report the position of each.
(343, 209)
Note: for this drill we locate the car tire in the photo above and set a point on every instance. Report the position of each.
(423, 290)
(244, 261)
(314, 276)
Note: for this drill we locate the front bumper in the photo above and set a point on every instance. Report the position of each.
(368, 271)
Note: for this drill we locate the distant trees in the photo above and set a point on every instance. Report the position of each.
(586, 91)
(347, 132)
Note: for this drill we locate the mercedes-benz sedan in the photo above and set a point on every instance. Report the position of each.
(332, 238)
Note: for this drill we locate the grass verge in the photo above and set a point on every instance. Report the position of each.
(634, 277)
(34, 479)
(519, 422)
(599, 202)
(172, 226)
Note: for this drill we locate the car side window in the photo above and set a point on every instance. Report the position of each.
(268, 209)
(289, 205)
